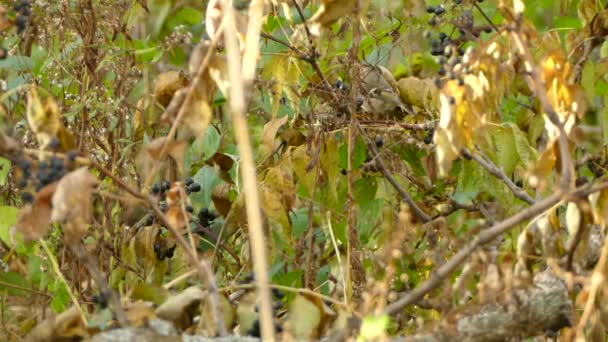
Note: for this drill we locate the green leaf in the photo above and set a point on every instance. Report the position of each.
(8, 218)
(525, 152)
(505, 149)
(359, 154)
(470, 181)
(14, 278)
(185, 16)
(61, 296)
(365, 189)
(17, 63)
(367, 218)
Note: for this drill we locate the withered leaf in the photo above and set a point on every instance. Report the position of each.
(304, 318)
(176, 150)
(217, 67)
(221, 200)
(66, 326)
(419, 92)
(35, 218)
(72, 202)
(328, 13)
(4, 21)
(269, 134)
(166, 84)
(181, 308)
(214, 16)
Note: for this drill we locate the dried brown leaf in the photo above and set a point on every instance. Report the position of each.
(167, 84)
(4, 20)
(269, 134)
(176, 150)
(72, 202)
(66, 326)
(328, 13)
(34, 219)
(181, 308)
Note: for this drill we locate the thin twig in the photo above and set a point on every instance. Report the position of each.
(25, 289)
(498, 173)
(484, 237)
(371, 146)
(203, 268)
(105, 290)
(57, 271)
(252, 203)
(184, 108)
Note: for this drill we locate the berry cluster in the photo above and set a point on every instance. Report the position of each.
(162, 253)
(206, 217)
(42, 173)
(23, 9)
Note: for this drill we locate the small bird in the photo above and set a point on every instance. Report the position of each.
(380, 92)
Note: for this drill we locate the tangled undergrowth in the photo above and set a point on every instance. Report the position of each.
(298, 170)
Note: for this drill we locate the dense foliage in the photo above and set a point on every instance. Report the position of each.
(374, 168)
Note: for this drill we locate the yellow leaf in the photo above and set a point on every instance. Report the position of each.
(44, 120)
(329, 12)
(181, 308)
(269, 134)
(419, 92)
(166, 84)
(304, 319)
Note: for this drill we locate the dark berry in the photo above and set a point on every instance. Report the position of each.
(452, 100)
(443, 36)
(72, 155)
(56, 163)
(101, 300)
(149, 220)
(368, 159)
(169, 252)
(164, 186)
(343, 172)
(155, 188)
(22, 182)
(439, 10)
(194, 187)
(189, 209)
(519, 184)
(189, 181)
(21, 23)
(441, 72)
(162, 206)
(429, 136)
(54, 144)
(379, 142)
(3, 53)
(27, 197)
(278, 294)
(430, 9)
(24, 164)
